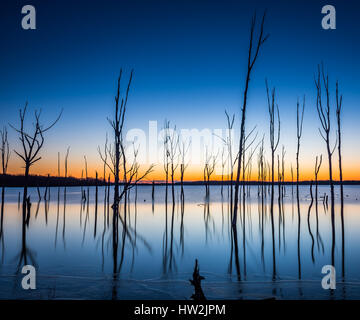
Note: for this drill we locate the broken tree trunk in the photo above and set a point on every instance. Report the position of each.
(196, 282)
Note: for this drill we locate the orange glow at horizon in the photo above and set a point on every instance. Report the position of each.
(193, 173)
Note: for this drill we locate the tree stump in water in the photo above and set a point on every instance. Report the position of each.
(196, 282)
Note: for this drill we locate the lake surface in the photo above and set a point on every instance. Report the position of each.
(72, 245)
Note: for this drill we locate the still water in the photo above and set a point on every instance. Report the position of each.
(71, 244)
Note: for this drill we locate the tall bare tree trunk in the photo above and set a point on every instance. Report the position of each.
(250, 64)
(299, 126)
(324, 117)
(338, 118)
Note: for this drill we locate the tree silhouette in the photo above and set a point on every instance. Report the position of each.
(5, 150)
(114, 156)
(32, 144)
(250, 64)
(299, 126)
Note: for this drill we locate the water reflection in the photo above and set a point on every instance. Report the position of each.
(151, 240)
(26, 255)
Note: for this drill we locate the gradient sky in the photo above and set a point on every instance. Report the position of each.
(189, 59)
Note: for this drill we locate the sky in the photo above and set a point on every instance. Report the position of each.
(189, 61)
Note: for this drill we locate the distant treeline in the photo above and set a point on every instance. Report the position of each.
(8, 180)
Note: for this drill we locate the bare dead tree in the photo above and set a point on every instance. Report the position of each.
(265, 174)
(32, 144)
(105, 153)
(119, 163)
(229, 143)
(183, 150)
(318, 163)
(259, 176)
(166, 156)
(228, 160)
(66, 162)
(248, 174)
(87, 177)
(65, 176)
(116, 159)
(261, 168)
(246, 167)
(324, 112)
(250, 64)
(308, 221)
(117, 125)
(274, 137)
(338, 118)
(245, 164)
(324, 117)
(281, 173)
(209, 168)
(172, 149)
(279, 176)
(248, 164)
(5, 156)
(274, 142)
(299, 127)
(268, 175)
(5, 150)
(224, 160)
(132, 175)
